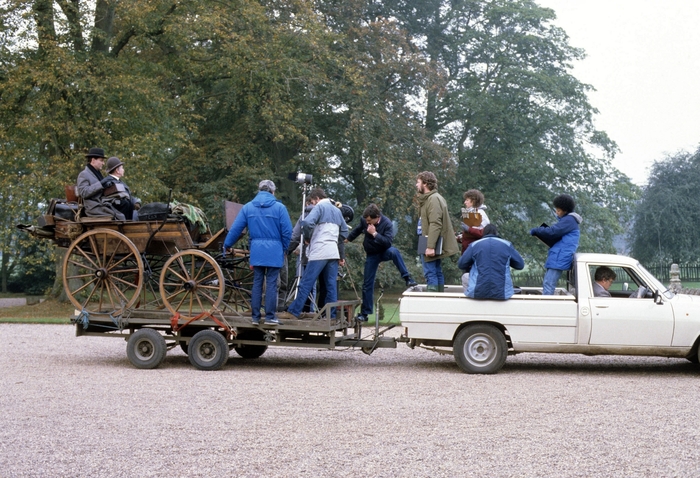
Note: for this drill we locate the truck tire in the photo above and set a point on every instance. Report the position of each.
(208, 350)
(480, 349)
(146, 349)
(250, 351)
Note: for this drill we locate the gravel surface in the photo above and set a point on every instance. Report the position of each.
(75, 406)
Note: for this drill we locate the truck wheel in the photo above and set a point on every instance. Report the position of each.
(480, 349)
(250, 351)
(208, 350)
(146, 349)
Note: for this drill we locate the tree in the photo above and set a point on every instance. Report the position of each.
(207, 98)
(667, 221)
(519, 125)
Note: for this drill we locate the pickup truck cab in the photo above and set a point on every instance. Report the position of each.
(642, 317)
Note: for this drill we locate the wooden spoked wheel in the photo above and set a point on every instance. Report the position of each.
(239, 283)
(102, 272)
(191, 283)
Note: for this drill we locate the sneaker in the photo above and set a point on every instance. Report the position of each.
(362, 318)
(410, 282)
(274, 321)
(255, 321)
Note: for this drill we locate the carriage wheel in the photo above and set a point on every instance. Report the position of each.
(191, 283)
(239, 284)
(102, 272)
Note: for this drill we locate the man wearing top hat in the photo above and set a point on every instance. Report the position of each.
(117, 194)
(91, 186)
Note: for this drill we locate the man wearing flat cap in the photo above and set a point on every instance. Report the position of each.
(91, 186)
(117, 194)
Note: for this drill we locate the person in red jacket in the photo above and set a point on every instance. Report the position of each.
(473, 208)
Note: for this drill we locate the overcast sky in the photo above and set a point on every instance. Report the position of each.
(643, 58)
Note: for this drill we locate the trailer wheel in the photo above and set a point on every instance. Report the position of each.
(146, 349)
(208, 350)
(250, 351)
(480, 349)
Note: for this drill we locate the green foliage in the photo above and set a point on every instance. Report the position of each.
(207, 98)
(667, 221)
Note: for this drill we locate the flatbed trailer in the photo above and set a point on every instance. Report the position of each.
(163, 283)
(207, 339)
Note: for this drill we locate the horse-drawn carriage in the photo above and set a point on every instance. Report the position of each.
(166, 282)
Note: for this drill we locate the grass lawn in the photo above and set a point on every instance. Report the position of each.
(47, 312)
(54, 312)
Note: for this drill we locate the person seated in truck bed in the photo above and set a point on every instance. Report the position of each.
(488, 262)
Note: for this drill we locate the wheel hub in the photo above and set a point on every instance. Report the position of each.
(189, 285)
(101, 273)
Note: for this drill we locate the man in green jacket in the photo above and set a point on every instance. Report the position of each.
(434, 225)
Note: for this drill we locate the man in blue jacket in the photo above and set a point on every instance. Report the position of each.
(379, 234)
(488, 261)
(270, 231)
(562, 239)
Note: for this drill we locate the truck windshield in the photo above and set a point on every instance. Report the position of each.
(654, 282)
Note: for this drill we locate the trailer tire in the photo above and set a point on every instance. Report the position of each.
(208, 350)
(250, 351)
(480, 349)
(146, 349)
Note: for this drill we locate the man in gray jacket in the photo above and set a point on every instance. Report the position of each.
(325, 230)
(91, 185)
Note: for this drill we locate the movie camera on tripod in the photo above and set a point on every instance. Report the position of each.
(347, 212)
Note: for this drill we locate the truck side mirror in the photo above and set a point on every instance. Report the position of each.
(625, 286)
(657, 298)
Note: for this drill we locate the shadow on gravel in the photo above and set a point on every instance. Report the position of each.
(625, 366)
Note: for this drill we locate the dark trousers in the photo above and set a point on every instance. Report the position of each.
(371, 265)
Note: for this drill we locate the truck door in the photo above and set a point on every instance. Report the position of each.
(625, 319)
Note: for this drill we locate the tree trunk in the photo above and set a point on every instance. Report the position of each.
(104, 23)
(3, 271)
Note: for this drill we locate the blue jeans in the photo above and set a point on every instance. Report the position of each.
(371, 266)
(432, 270)
(269, 276)
(551, 277)
(327, 271)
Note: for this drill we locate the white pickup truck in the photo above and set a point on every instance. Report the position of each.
(641, 318)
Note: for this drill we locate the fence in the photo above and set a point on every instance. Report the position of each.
(688, 273)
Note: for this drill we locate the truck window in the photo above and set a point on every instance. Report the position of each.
(626, 282)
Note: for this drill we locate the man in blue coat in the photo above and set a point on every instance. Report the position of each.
(488, 261)
(270, 231)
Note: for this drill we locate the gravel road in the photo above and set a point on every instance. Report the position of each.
(74, 406)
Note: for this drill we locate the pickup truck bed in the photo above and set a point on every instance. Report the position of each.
(482, 333)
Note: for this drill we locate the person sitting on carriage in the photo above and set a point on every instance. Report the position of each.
(117, 194)
(91, 186)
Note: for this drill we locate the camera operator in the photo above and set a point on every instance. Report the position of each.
(378, 236)
(325, 231)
